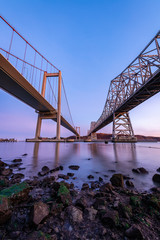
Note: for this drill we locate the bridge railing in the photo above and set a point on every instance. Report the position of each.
(32, 65)
(132, 78)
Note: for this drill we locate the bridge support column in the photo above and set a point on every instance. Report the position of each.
(38, 128)
(59, 106)
(122, 128)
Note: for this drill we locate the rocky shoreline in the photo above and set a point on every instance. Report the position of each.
(44, 208)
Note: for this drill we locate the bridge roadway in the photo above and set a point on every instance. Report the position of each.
(147, 90)
(14, 83)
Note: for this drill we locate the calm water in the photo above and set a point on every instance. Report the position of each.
(121, 157)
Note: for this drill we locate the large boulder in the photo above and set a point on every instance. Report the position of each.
(117, 180)
(39, 212)
(75, 215)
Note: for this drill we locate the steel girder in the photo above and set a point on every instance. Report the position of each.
(131, 80)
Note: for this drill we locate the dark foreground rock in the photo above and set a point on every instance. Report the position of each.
(74, 167)
(45, 209)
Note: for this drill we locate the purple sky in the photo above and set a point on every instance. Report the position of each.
(91, 42)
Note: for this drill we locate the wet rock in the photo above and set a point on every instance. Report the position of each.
(15, 165)
(107, 187)
(36, 193)
(70, 174)
(94, 185)
(81, 203)
(111, 170)
(117, 180)
(85, 186)
(17, 160)
(63, 176)
(134, 232)
(18, 175)
(39, 212)
(140, 170)
(100, 203)
(158, 169)
(156, 178)
(56, 169)
(129, 183)
(45, 169)
(63, 195)
(2, 164)
(100, 179)
(74, 167)
(110, 218)
(90, 176)
(91, 213)
(75, 215)
(5, 212)
(6, 172)
(25, 154)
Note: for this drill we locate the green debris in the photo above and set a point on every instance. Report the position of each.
(63, 190)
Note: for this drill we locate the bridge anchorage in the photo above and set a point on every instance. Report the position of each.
(27, 75)
(137, 83)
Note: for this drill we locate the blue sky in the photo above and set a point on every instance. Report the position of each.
(91, 41)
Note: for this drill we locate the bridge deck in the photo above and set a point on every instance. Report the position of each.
(14, 83)
(150, 88)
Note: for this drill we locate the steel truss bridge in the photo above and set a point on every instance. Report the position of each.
(28, 75)
(137, 83)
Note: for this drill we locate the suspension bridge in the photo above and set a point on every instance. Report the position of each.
(26, 74)
(137, 83)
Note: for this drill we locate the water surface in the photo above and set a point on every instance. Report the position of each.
(98, 159)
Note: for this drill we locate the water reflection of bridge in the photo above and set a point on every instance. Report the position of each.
(57, 156)
(120, 152)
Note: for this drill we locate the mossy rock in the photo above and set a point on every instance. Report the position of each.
(135, 201)
(63, 190)
(15, 192)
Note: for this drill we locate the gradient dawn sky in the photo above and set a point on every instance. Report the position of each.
(91, 41)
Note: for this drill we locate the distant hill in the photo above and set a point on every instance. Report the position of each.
(106, 136)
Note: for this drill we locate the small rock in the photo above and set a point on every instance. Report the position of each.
(156, 178)
(140, 170)
(134, 232)
(63, 176)
(70, 174)
(81, 203)
(110, 218)
(40, 211)
(74, 214)
(45, 169)
(74, 167)
(17, 160)
(25, 154)
(100, 179)
(6, 172)
(117, 180)
(90, 176)
(85, 186)
(91, 213)
(18, 175)
(158, 170)
(2, 164)
(129, 183)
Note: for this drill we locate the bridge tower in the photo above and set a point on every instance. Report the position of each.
(49, 115)
(122, 128)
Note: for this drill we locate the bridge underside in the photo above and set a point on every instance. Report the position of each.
(149, 89)
(14, 83)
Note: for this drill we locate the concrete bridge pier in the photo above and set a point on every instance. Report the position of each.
(50, 115)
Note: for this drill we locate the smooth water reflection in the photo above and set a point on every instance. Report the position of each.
(98, 159)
